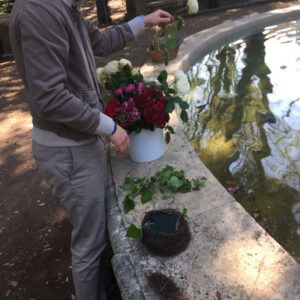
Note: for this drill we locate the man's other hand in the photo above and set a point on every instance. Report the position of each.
(121, 139)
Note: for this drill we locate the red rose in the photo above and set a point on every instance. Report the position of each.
(155, 114)
(111, 108)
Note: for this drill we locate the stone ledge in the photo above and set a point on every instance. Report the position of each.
(230, 254)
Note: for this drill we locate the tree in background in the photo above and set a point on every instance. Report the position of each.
(103, 12)
(6, 6)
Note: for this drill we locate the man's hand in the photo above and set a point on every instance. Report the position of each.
(121, 139)
(158, 17)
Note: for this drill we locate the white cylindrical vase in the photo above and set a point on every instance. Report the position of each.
(146, 145)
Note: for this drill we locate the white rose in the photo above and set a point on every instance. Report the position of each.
(135, 72)
(101, 76)
(111, 68)
(192, 6)
(123, 62)
(179, 74)
(182, 86)
(99, 72)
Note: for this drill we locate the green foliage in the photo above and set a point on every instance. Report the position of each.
(165, 181)
(172, 98)
(168, 39)
(6, 6)
(184, 212)
(134, 232)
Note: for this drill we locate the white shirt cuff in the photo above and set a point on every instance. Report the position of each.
(105, 126)
(137, 26)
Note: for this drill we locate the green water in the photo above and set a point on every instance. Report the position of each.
(245, 125)
(164, 223)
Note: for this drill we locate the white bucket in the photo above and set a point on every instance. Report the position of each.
(147, 145)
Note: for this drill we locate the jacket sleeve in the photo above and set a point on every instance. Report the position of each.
(45, 48)
(105, 42)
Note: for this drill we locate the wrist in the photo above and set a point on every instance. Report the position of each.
(114, 129)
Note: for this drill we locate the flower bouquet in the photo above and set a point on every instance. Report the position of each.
(142, 107)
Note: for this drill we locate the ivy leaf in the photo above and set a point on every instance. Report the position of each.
(128, 204)
(162, 77)
(174, 183)
(170, 129)
(184, 212)
(179, 22)
(168, 137)
(165, 192)
(186, 186)
(170, 107)
(130, 187)
(184, 105)
(198, 184)
(173, 32)
(134, 232)
(146, 196)
(184, 116)
(171, 43)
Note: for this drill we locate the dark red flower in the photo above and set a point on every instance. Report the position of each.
(111, 108)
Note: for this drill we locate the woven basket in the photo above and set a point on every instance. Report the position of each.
(158, 55)
(166, 245)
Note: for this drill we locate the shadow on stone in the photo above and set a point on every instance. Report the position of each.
(165, 287)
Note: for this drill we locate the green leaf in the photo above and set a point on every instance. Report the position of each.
(173, 32)
(165, 192)
(107, 98)
(128, 204)
(149, 83)
(184, 212)
(179, 23)
(130, 187)
(184, 116)
(162, 77)
(186, 186)
(170, 107)
(146, 196)
(170, 129)
(171, 43)
(168, 137)
(134, 232)
(174, 183)
(197, 184)
(184, 105)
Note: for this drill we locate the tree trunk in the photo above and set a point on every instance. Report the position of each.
(5, 48)
(136, 8)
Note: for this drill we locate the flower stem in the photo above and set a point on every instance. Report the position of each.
(180, 10)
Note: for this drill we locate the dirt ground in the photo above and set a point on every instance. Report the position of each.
(34, 232)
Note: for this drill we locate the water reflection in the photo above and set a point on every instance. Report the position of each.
(244, 124)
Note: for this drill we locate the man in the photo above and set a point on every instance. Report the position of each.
(53, 47)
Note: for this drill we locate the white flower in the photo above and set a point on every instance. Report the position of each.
(123, 62)
(179, 74)
(111, 68)
(182, 86)
(135, 72)
(192, 6)
(101, 76)
(99, 72)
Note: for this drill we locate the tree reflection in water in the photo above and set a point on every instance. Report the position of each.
(241, 136)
